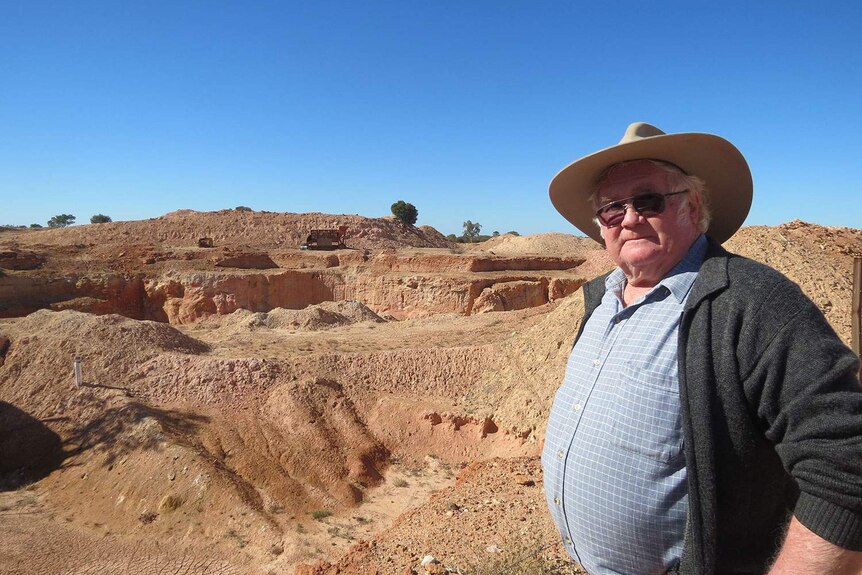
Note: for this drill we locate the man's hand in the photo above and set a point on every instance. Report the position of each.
(806, 553)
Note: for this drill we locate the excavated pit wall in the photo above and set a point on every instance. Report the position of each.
(99, 293)
(393, 287)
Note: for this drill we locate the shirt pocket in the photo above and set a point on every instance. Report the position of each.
(646, 414)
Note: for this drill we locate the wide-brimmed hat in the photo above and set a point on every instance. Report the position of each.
(711, 158)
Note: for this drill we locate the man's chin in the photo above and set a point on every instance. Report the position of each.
(641, 256)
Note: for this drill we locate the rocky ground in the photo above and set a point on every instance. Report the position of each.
(255, 408)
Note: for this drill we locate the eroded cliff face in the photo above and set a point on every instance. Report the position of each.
(22, 293)
(400, 286)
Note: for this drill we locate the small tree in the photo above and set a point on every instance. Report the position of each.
(243, 209)
(61, 221)
(405, 212)
(100, 219)
(471, 231)
(35, 226)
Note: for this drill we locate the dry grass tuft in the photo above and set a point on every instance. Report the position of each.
(525, 558)
(170, 503)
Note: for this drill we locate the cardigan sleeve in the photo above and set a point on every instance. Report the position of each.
(803, 382)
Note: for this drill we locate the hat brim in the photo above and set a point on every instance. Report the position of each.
(712, 158)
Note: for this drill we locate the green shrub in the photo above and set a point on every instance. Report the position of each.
(405, 212)
(61, 221)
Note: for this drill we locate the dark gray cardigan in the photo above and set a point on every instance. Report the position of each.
(772, 417)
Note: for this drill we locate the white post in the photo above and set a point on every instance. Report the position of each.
(79, 380)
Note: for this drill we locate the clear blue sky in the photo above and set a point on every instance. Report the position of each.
(465, 109)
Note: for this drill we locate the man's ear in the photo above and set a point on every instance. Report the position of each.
(694, 208)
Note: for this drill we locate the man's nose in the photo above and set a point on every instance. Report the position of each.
(631, 217)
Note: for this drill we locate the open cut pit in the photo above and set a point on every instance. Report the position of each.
(190, 299)
(276, 413)
(418, 285)
(261, 425)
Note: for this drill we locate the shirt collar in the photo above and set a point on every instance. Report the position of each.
(678, 281)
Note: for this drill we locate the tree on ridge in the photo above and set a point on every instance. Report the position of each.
(61, 221)
(471, 231)
(405, 212)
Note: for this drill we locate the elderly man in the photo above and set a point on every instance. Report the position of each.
(710, 420)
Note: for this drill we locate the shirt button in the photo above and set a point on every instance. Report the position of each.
(568, 540)
(556, 500)
(560, 454)
(596, 362)
(577, 407)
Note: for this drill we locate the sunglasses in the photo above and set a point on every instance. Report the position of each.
(612, 214)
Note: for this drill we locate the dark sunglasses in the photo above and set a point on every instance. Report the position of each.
(612, 214)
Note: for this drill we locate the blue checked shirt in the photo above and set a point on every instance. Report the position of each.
(614, 469)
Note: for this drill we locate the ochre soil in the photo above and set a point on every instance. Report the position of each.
(342, 412)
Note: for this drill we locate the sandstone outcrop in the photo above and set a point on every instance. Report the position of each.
(20, 260)
(97, 292)
(507, 296)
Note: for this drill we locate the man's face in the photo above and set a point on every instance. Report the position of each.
(647, 247)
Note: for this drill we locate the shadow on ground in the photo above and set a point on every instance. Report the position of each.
(112, 429)
(29, 450)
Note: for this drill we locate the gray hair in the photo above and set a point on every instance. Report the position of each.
(677, 181)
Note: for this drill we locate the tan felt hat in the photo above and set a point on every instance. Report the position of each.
(712, 158)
